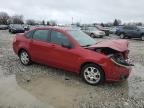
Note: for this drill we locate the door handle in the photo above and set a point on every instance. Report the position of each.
(53, 46)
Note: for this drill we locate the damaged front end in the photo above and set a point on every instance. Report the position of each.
(120, 60)
(116, 50)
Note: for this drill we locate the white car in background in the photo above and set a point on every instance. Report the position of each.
(113, 30)
(93, 32)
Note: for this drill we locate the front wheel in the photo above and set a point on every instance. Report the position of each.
(92, 74)
(24, 57)
(92, 35)
(142, 38)
(122, 36)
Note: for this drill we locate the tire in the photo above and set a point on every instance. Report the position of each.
(92, 74)
(122, 36)
(101, 37)
(24, 57)
(107, 33)
(142, 38)
(92, 35)
(9, 31)
(13, 32)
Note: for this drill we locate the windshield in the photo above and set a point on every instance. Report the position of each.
(18, 26)
(93, 29)
(82, 38)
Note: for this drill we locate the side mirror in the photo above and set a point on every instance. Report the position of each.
(66, 45)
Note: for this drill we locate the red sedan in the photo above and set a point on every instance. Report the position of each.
(74, 51)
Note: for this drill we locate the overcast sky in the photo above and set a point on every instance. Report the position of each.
(84, 11)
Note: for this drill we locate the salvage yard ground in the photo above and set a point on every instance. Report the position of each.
(40, 86)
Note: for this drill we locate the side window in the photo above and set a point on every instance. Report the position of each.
(41, 35)
(131, 28)
(126, 27)
(59, 38)
(135, 28)
(29, 34)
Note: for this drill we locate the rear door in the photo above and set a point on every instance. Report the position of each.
(132, 31)
(40, 46)
(137, 32)
(127, 31)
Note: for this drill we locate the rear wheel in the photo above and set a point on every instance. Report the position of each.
(9, 31)
(92, 35)
(122, 36)
(107, 33)
(142, 38)
(92, 74)
(129, 37)
(24, 57)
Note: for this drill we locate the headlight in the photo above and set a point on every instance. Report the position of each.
(120, 61)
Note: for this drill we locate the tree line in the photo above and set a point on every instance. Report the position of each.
(6, 19)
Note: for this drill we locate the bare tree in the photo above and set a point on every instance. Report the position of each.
(78, 24)
(31, 22)
(4, 18)
(43, 22)
(102, 24)
(139, 24)
(48, 23)
(17, 19)
(116, 22)
(53, 23)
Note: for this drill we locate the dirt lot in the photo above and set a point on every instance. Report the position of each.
(40, 86)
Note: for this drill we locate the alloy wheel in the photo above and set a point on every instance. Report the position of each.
(142, 38)
(92, 35)
(122, 36)
(92, 75)
(24, 57)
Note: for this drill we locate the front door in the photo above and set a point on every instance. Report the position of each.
(63, 57)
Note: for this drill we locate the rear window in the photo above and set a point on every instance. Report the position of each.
(29, 34)
(41, 35)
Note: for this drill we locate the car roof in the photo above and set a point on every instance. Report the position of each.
(58, 28)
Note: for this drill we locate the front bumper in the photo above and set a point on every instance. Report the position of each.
(116, 73)
(119, 74)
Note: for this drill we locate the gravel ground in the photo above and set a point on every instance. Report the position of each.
(40, 86)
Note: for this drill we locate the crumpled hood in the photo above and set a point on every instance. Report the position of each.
(118, 45)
